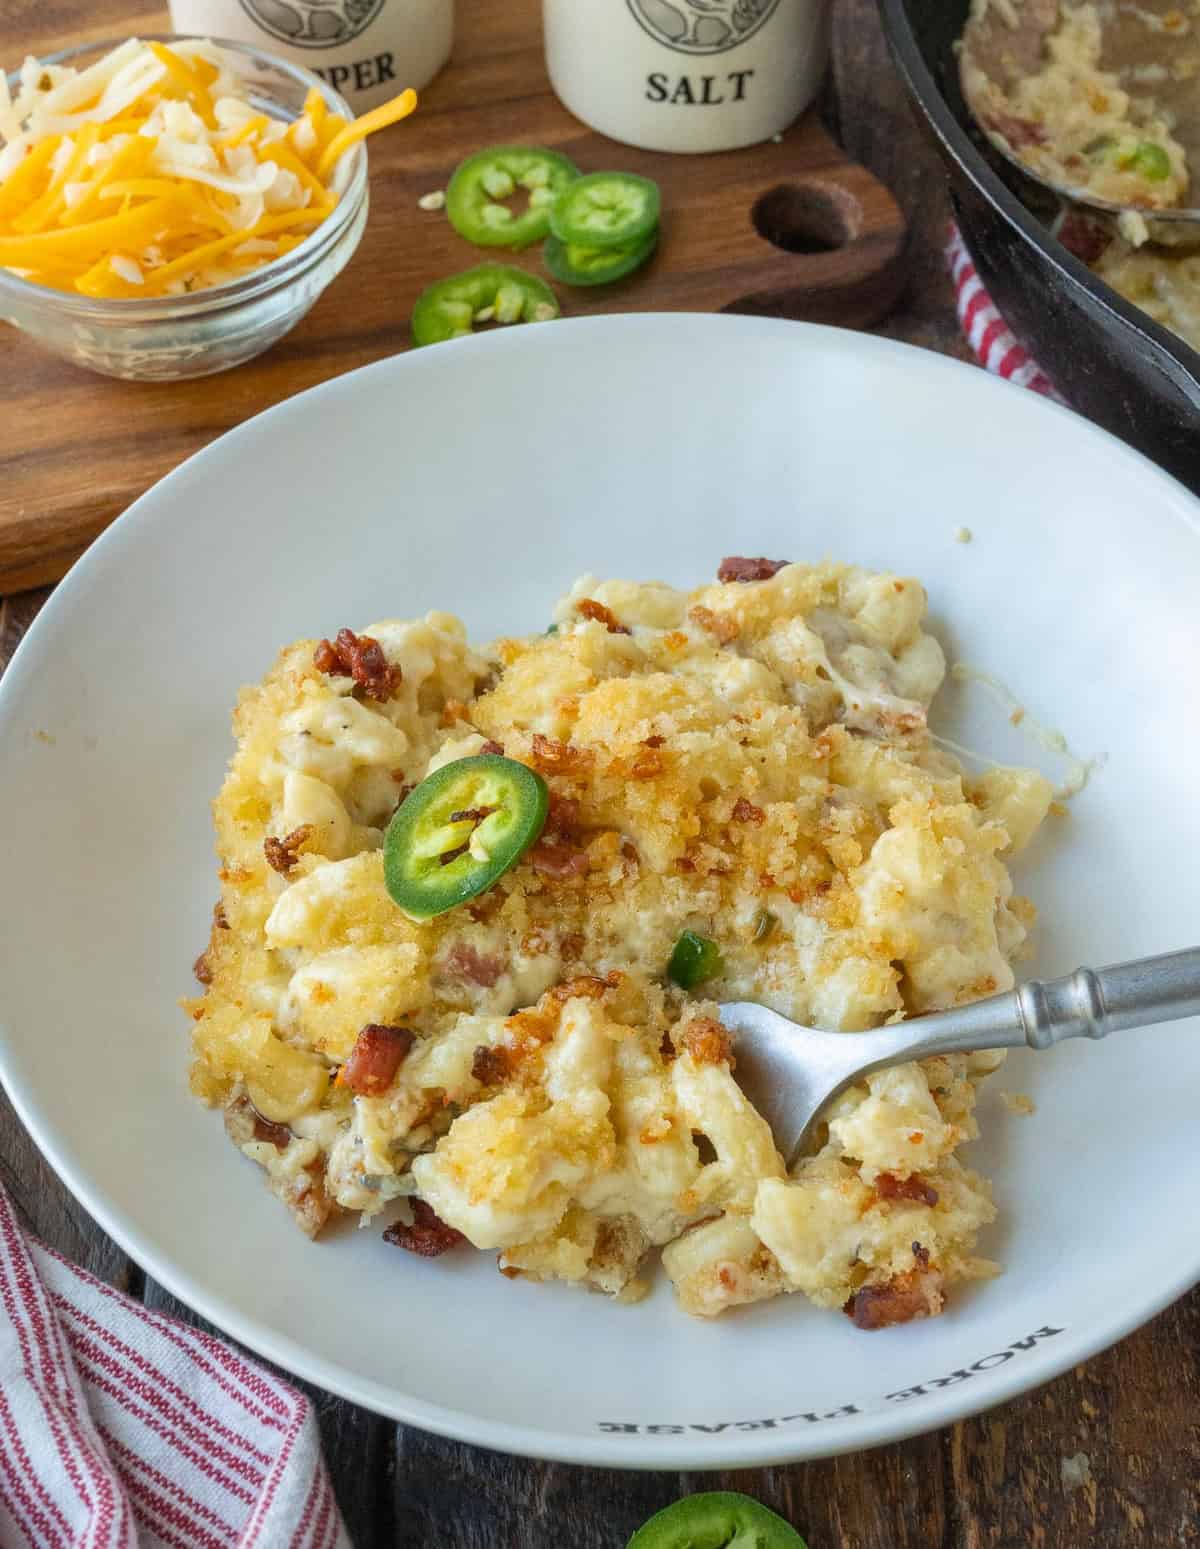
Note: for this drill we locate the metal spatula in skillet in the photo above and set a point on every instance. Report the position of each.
(1151, 46)
(790, 1072)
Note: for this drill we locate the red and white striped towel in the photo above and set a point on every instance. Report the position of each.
(122, 1429)
(987, 332)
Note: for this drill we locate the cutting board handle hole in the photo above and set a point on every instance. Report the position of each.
(812, 217)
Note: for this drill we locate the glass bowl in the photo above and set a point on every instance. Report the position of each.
(170, 338)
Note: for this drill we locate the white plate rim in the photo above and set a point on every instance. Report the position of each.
(756, 1449)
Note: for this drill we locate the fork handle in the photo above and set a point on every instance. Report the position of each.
(1090, 1003)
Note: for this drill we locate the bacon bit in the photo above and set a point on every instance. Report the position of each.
(464, 962)
(1018, 131)
(428, 1236)
(654, 742)
(282, 854)
(707, 1042)
(277, 1135)
(563, 816)
(327, 659)
(685, 863)
(602, 615)
(559, 861)
(1083, 237)
(913, 1188)
(481, 909)
(202, 969)
(472, 814)
(722, 626)
(220, 919)
(738, 568)
(490, 1065)
(377, 1055)
(490, 746)
(746, 812)
(554, 757)
(359, 657)
(244, 1123)
(915, 1294)
(666, 1048)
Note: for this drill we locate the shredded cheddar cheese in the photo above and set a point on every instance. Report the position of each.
(151, 173)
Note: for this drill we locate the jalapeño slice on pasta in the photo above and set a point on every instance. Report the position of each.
(460, 831)
(717, 1519)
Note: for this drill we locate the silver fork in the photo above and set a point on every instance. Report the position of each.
(790, 1072)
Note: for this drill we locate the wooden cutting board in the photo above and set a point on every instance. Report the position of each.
(791, 229)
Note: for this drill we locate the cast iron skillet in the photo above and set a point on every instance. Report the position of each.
(1106, 358)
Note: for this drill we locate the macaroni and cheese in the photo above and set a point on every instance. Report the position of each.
(750, 761)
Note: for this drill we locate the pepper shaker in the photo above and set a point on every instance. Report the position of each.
(368, 50)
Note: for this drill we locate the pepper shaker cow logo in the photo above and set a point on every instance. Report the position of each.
(702, 26)
(315, 23)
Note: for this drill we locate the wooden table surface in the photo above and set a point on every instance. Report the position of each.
(995, 1482)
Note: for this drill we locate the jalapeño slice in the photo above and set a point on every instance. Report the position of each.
(491, 293)
(575, 265)
(695, 959)
(460, 831)
(477, 191)
(606, 209)
(717, 1519)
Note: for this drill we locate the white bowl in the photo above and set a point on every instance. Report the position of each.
(482, 476)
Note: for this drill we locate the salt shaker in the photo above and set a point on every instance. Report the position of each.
(368, 50)
(686, 75)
